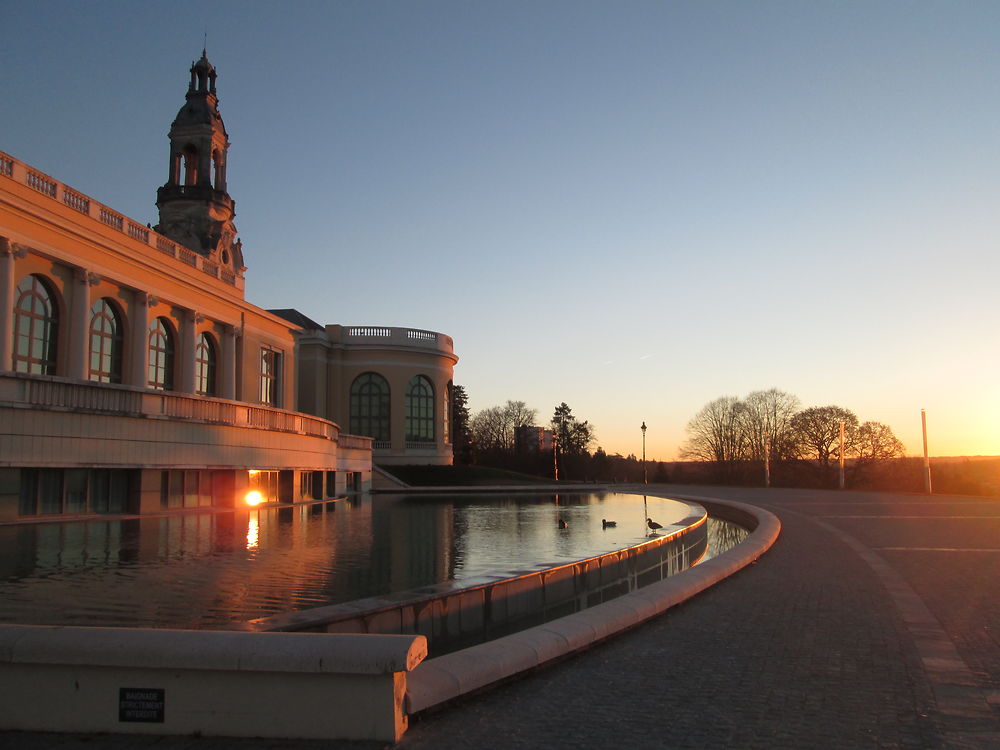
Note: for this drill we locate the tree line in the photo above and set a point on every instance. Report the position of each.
(489, 437)
(508, 436)
(730, 440)
(767, 433)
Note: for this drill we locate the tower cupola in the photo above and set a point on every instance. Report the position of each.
(202, 76)
(195, 207)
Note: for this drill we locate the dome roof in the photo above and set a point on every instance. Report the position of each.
(203, 65)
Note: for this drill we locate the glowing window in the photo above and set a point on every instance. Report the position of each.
(161, 355)
(106, 342)
(36, 326)
(270, 377)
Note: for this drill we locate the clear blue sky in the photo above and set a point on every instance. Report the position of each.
(631, 207)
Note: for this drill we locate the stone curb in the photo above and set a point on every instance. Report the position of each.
(445, 678)
(489, 489)
(209, 650)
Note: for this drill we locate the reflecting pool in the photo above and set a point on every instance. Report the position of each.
(209, 570)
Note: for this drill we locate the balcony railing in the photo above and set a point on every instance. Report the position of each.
(355, 442)
(56, 393)
(392, 336)
(74, 200)
(21, 172)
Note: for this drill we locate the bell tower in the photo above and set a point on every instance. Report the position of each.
(195, 207)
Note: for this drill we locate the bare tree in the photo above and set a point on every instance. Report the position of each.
(494, 428)
(519, 415)
(714, 433)
(817, 436)
(766, 420)
(732, 434)
(874, 444)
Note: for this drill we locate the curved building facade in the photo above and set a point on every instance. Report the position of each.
(388, 383)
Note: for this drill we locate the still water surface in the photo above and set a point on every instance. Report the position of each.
(207, 570)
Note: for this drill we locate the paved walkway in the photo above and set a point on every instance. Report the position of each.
(874, 622)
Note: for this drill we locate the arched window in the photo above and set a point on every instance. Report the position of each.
(420, 410)
(36, 327)
(161, 355)
(370, 406)
(205, 359)
(106, 342)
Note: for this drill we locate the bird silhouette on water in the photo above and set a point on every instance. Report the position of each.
(606, 524)
(653, 525)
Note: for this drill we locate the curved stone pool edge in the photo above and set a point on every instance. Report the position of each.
(454, 618)
(442, 679)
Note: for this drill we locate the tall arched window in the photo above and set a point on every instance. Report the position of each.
(420, 410)
(205, 359)
(36, 327)
(161, 355)
(106, 342)
(370, 406)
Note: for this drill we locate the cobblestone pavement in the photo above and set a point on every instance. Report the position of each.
(814, 646)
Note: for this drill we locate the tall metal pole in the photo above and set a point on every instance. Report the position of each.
(643, 428)
(767, 464)
(927, 461)
(555, 455)
(842, 454)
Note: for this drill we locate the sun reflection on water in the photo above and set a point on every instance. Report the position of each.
(253, 532)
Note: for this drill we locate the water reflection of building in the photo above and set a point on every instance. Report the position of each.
(136, 378)
(412, 548)
(212, 569)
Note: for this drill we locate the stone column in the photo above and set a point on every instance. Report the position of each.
(79, 325)
(187, 351)
(7, 287)
(139, 346)
(227, 386)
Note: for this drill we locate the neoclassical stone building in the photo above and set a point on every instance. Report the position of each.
(391, 384)
(136, 378)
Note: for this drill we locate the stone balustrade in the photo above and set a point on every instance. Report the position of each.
(58, 394)
(21, 172)
(382, 336)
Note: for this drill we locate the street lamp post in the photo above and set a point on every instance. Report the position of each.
(643, 428)
(555, 455)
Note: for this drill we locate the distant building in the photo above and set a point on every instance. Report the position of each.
(135, 377)
(529, 438)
